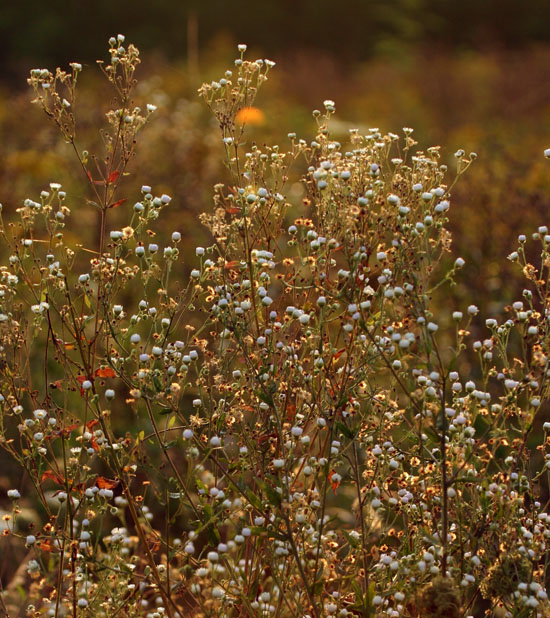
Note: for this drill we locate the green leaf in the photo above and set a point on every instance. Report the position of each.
(351, 540)
(258, 530)
(254, 499)
(345, 430)
(317, 587)
(265, 397)
(273, 495)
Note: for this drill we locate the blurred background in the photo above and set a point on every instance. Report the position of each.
(473, 74)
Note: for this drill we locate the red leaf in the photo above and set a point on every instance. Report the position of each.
(106, 372)
(92, 423)
(94, 444)
(81, 379)
(104, 483)
(49, 474)
(112, 177)
(233, 210)
(117, 203)
(290, 411)
(338, 354)
(334, 484)
(154, 545)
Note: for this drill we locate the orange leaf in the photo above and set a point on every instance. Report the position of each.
(105, 372)
(154, 545)
(233, 210)
(104, 483)
(232, 264)
(81, 379)
(48, 546)
(334, 484)
(94, 444)
(49, 474)
(112, 177)
(338, 354)
(92, 423)
(290, 411)
(117, 203)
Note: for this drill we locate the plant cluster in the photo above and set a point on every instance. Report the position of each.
(296, 437)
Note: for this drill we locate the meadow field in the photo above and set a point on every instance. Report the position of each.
(277, 344)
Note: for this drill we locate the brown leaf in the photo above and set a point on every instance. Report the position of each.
(50, 474)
